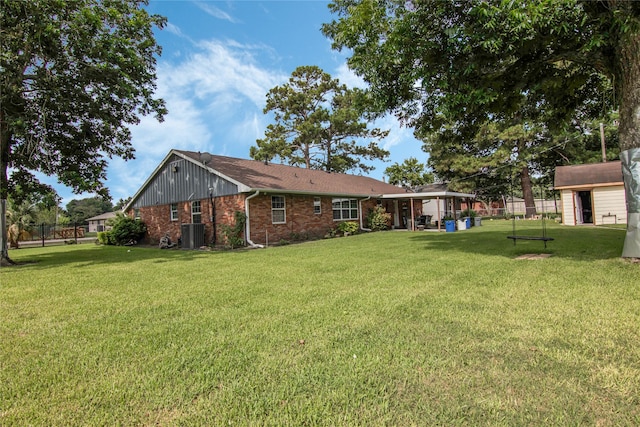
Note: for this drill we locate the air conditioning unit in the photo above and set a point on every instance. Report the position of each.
(192, 236)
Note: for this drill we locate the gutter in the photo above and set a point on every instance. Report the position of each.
(361, 214)
(247, 231)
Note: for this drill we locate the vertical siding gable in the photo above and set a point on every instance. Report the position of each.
(180, 180)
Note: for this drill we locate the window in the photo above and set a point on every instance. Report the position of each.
(196, 212)
(136, 213)
(278, 215)
(317, 207)
(345, 209)
(174, 211)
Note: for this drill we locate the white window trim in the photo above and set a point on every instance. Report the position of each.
(171, 215)
(199, 210)
(283, 209)
(317, 201)
(340, 200)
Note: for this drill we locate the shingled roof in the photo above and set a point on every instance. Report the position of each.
(595, 174)
(256, 175)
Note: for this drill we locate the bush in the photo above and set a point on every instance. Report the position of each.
(468, 213)
(125, 230)
(233, 236)
(378, 219)
(104, 238)
(348, 227)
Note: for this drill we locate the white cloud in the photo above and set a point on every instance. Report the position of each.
(215, 99)
(174, 29)
(220, 68)
(215, 12)
(348, 77)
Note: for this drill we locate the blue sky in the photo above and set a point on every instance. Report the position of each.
(219, 60)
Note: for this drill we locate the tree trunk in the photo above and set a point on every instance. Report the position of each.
(4, 237)
(527, 193)
(629, 132)
(4, 191)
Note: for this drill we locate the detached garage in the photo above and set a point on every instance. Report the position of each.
(592, 194)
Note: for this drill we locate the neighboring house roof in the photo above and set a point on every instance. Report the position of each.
(258, 175)
(106, 215)
(589, 175)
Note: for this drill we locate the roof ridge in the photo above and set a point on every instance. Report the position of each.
(279, 165)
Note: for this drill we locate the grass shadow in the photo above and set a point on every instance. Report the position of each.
(82, 256)
(578, 243)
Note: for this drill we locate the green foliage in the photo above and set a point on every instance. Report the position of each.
(410, 173)
(120, 204)
(24, 187)
(21, 214)
(75, 77)
(331, 233)
(80, 210)
(105, 238)
(468, 213)
(125, 230)
(317, 123)
(350, 227)
(378, 219)
(483, 59)
(19, 219)
(299, 237)
(234, 235)
(449, 68)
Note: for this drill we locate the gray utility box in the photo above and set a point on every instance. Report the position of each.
(192, 236)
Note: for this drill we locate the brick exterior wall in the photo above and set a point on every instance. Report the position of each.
(301, 221)
(158, 218)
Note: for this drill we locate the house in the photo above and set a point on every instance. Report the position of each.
(192, 195)
(592, 193)
(99, 222)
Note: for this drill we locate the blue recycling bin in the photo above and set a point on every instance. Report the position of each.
(450, 225)
(468, 220)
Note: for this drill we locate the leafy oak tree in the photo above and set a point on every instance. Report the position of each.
(410, 173)
(318, 124)
(74, 76)
(467, 62)
(498, 157)
(80, 210)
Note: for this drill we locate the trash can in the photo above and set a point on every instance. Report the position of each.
(450, 225)
(468, 223)
(477, 221)
(462, 224)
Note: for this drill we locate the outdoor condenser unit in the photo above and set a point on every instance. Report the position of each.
(192, 236)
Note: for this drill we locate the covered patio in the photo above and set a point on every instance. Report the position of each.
(408, 208)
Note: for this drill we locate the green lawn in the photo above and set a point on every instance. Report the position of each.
(392, 328)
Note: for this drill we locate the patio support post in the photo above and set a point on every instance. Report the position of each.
(439, 215)
(413, 226)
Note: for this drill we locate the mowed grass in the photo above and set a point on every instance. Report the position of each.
(391, 328)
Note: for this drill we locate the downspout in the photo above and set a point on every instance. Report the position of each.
(361, 215)
(247, 231)
(213, 218)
